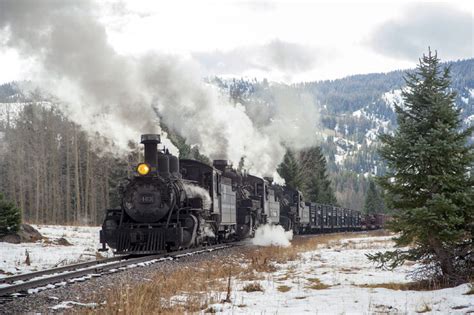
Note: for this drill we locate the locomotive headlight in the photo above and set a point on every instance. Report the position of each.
(143, 169)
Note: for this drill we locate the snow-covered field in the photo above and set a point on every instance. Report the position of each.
(299, 287)
(46, 254)
(332, 278)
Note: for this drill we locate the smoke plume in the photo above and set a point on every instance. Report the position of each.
(122, 97)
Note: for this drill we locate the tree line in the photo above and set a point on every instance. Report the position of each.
(55, 172)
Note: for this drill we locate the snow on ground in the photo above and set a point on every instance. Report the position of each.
(45, 254)
(344, 268)
(393, 97)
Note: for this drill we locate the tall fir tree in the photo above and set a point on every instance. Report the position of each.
(291, 171)
(430, 181)
(10, 217)
(308, 172)
(373, 200)
(317, 186)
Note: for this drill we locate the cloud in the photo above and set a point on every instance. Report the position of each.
(262, 5)
(275, 55)
(436, 25)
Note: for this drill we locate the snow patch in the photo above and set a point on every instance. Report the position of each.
(357, 113)
(393, 97)
(45, 254)
(70, 304)
(469, 120)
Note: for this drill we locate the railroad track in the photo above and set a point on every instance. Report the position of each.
(34, 282)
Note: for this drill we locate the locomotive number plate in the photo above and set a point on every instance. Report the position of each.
(147, 199)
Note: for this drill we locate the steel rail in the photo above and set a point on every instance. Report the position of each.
(36, 274)
(99, 269)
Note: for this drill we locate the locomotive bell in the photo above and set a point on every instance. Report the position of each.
(151, 154)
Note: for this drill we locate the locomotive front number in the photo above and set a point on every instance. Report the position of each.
(147, 199)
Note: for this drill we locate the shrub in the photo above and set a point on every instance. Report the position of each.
(253, 287)
(10, 217)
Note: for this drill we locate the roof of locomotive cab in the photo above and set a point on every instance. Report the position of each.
(184, 162)
(254, 177)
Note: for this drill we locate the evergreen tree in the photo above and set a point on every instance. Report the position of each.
(373, 201)
(430, 180)
(317, 185)
(10, 217)
(291, 171)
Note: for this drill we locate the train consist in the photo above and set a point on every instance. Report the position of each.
(172, 204)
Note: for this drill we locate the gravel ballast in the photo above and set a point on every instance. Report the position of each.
(95, 289)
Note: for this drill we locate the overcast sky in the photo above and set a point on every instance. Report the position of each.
(287, 41)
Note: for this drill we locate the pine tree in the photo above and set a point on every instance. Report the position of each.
(430, 180)
(291, 171)
(317, 186)
(10, 217)
(373, 201)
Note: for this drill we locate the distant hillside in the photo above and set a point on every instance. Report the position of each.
(353, 111)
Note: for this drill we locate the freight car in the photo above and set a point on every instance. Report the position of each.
(327, 218)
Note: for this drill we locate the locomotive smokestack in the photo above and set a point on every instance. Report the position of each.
(151, 153)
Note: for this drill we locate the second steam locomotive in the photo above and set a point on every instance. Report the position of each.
(173, 203)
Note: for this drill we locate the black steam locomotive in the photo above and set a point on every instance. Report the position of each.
(173, 204)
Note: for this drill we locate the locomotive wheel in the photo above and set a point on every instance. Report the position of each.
(246, 230)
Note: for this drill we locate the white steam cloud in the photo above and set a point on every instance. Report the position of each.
(122, 97)
(272, 235)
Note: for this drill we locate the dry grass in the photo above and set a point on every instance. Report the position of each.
(284, 288)
(316, 284)
(253, 287)
(187, 290)
(181, 291)
(408, 286)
